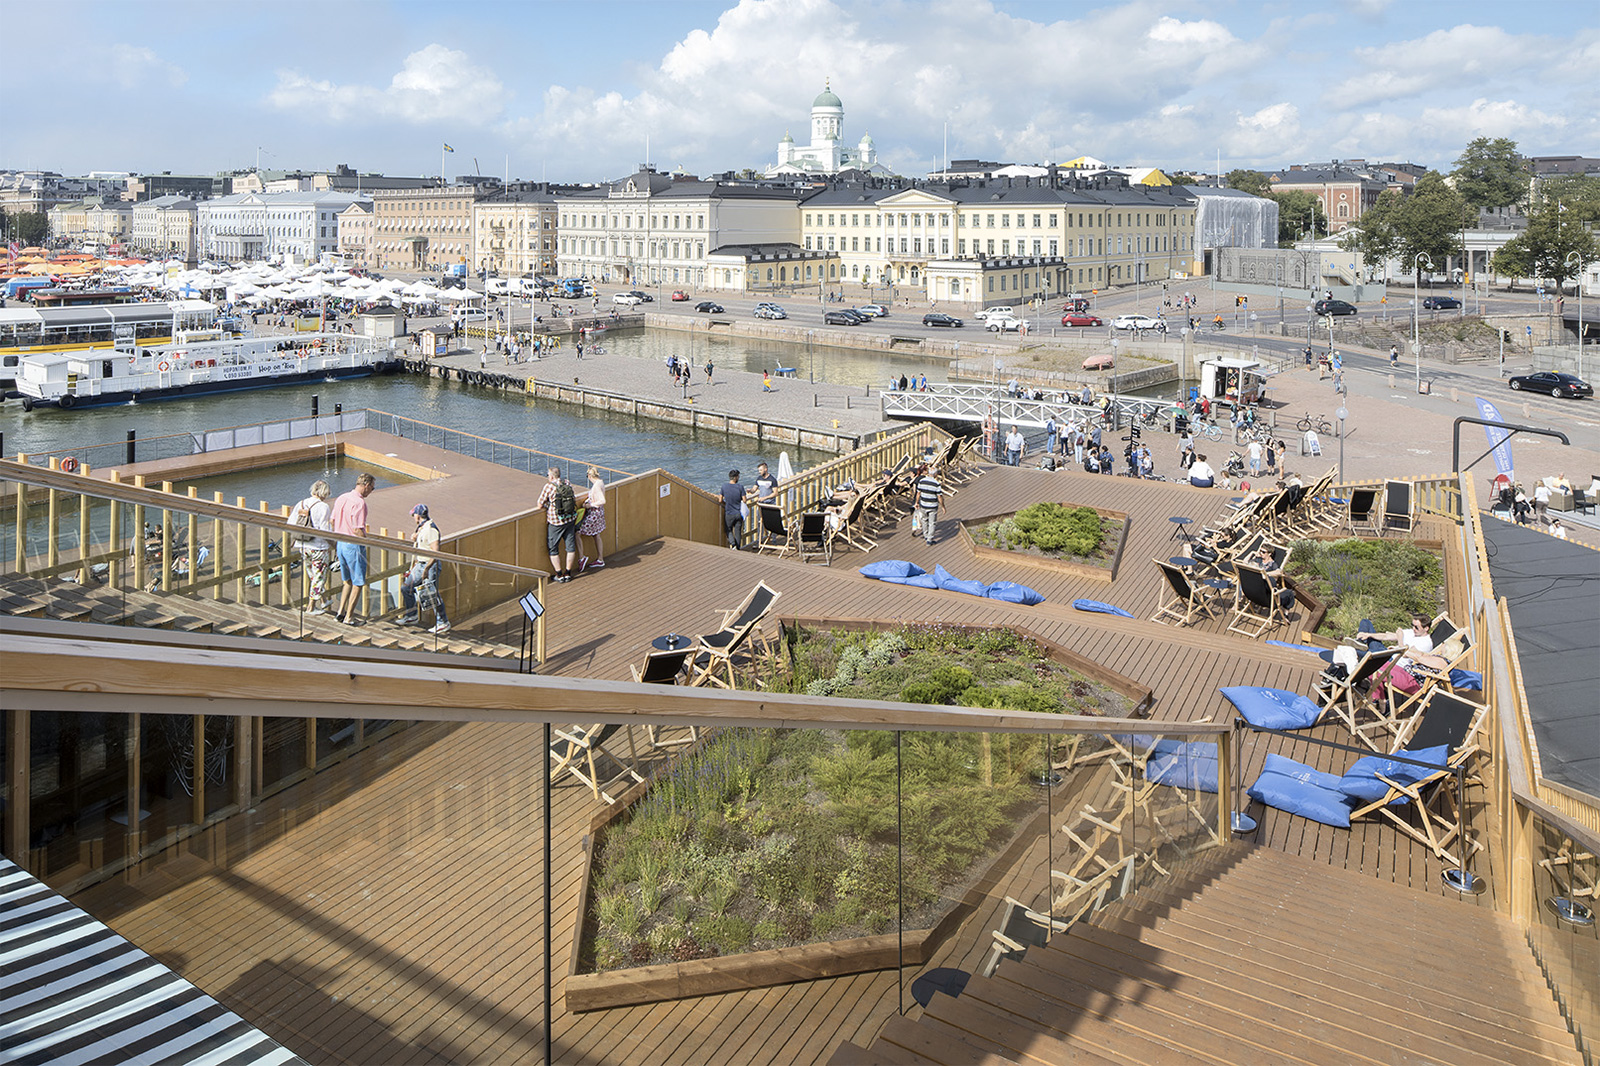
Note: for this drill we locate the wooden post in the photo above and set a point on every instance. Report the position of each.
(138, 537)
(538, 627)
(134, 747)
(987, 760)
(193, 534)
(84, 503)
(19, 751)
(1520, 904)
(21, 552)
(166, 542)
(1225, 757)
(197, 809)
(239, 553)
(114, 540)
(216, 550)
(244, 754)
(311, 744)
(52, 547)
(262, 561)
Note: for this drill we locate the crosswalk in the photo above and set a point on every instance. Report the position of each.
(72, 991)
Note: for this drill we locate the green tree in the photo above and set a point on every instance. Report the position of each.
(1374, 234)
(1299, 213)
(1251, 181)
(1491, 173)
(26, 227)
(1555, 245)
(1430, 222)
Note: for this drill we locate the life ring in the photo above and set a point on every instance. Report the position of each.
(162, 366)
(69, 465)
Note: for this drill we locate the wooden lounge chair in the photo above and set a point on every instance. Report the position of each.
(1255, 604)
(774, 534)
(665, 668)
(576, 751)
(851, 524)
(714, 653)
(1361, 512)
(1346, 696)
(810, 533)
(1183, 600)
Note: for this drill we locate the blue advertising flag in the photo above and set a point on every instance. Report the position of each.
(1499, 439)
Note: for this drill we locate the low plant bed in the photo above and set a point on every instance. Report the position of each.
(1387, 580)
(1055, 536)
(774, 855)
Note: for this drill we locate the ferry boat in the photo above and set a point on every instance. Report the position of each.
(32, 331)
(195, 363)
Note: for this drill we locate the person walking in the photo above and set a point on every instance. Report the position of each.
(1015, 446)
(316, 513)
(766, 380)
(733, 510)
(1394, 355)
(349, 517)
(710, 366)
(594, 519)
(560, 505)
(930, 500)
(419, 588)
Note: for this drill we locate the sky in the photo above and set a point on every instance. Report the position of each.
(575, 91)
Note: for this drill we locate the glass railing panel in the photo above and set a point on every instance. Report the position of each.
(1563, 931)
(78, 802)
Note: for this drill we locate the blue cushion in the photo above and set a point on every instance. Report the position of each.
(1011, 592)
(921, 581)
(971, 588)
(1272, 708)
(1466, 680)
(891, 568)
(1300, 647)
(1361, 780)
(941, 575)
(1294, 787)
(1096, 607)
(1183, 764)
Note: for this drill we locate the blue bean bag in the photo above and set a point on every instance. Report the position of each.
(1466, 680)
(1300, 647)
(1360, 782)
(1183, 764)
(1011, 592)
(1294, 787)
(891, 568)
(921, 581)
(1272, 708)
(971, 588)
(1096, 607)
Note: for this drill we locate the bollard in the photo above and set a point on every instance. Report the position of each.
(132, 436)
(338, 409)
(314, 407)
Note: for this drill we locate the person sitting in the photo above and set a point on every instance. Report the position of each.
(1201, 476)
(1416, 640)
(1266, 561)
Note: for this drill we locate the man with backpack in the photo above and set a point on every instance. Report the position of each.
(419, 588)
(560, 505)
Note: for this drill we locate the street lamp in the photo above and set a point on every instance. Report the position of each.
(1416, 305)
(1578, 256)
(1341, 414)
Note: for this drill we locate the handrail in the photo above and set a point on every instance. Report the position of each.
(808, 487)
(397, 420)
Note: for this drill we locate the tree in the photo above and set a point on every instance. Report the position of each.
(1430, 222)
(1491, 173)
(1299, 213)
(1374, 234)
(26, 227)
(1251, 181)
(1554, 236)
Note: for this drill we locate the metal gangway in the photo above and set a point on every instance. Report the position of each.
(975, 403)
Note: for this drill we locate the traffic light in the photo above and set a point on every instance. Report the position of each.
(1238, 301)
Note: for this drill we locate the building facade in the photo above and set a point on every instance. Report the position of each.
(422, 229)
(165, 226)
(1346, 192)
(355, 233)
(95, 220)
(514, 231)
(302, 226)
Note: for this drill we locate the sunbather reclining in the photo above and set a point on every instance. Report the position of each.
(1417, 642)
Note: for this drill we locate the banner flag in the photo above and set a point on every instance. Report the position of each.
(1499, 439)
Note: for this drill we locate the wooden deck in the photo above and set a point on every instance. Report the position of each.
(390, 910)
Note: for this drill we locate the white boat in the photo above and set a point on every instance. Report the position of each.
(194, 364)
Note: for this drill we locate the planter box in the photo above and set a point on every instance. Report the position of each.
(1060, 566)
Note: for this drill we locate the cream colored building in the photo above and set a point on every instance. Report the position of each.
(355, 232)
(102, 220)
(422, 229)
(515, 231)
(165, 226)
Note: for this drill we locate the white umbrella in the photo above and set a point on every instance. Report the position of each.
(785, 469)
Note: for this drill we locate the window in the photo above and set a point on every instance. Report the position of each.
(855, 244)
(830, 220)
(991, 247)
(903, 242)
(808, 220)
(961, 246)
(1005, 222)
(1053, 220)
(1344, 210)
(855, 220)
(699, 222)
(808, 244)
(944, 245)
(830, 244)
(1037, 248)
(990, 221)
(944, 219)
(880, 244)
(991, 284)
(1053, 247)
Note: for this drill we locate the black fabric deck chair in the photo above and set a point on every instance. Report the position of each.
(1255, 605)
(1454, 722)
(774, 534)
(576, 751)
(851, 523)
(1185, 600)
(665, 668)
(1361, 512)
(1397, 505)
(810, 534)
(713, 653)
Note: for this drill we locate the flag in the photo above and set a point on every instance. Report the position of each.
(12, 251)
(1499, 439)
(448, 148)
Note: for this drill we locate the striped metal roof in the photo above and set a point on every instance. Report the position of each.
(73, 991)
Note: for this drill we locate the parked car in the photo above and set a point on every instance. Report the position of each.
(1078, 318)
(1334, 307)
(1138, 322)
(450, 281)
(1555, 384)
(625, 298)
(1441, 303)
(706, 307)
(771, 312)
(842, 318)
(939, 318)
(982, 314)
(1002, 323)
(644, 297)
(872, 310)
(680, 297)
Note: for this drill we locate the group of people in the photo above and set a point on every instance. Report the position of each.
(681, 371)
(566, 520)
(1537, 510)
(911, 384)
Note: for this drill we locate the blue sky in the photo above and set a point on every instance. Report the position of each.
(570, 91)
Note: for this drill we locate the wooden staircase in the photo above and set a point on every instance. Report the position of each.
(1250, 955)
(68, 601)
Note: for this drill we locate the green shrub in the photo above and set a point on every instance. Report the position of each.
(1385, 580)
(1049, 527)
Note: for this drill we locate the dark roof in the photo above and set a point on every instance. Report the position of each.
(775, 251)
(1553, 589)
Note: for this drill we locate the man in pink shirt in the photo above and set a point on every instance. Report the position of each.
(350, 518)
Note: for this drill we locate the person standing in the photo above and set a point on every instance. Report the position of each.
(315, 512)
(1015, 446)
(710, 366)
(732, 509)
(423, 575)
(766, 380)
(560, 505)
(1541, 500)
(1050, 431)
(1254, 451)
(594, 519)
(349, 517)
(930, 499)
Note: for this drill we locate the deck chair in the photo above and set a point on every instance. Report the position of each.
(1255, 603)
(665, 668)
(1396, 505)
(810, 534)
(1361, 512)
(713, 653)
(1317, 510)
(851, 525)
(774, 534)
(1346, 696)
(1184, 600)
(576, 751)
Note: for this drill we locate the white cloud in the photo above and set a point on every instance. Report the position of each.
(134, 67)
(435, 84)
(1460, 56)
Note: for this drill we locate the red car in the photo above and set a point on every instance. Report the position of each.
(680, 296)
(1078, 318)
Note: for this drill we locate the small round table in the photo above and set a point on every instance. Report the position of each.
(1181, 560)
(1182, 532)
(671, 642)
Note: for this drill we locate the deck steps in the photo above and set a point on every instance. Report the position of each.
(1251, 954)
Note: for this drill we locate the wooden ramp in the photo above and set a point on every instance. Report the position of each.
(1233, 961)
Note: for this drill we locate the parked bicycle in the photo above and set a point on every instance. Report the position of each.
(1314, 422)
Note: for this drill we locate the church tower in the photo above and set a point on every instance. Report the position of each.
(827, 121)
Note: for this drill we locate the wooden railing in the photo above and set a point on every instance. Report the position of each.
(809, 487)
(1435, 494)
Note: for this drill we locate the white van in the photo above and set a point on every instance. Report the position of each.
(983, 314)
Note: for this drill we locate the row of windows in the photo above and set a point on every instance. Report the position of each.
(991, 220)
(658, 249)
(1052, 246)
(656, 221)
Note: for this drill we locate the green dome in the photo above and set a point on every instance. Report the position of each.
(826, 98)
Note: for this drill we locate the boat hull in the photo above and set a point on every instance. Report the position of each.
(200, 388)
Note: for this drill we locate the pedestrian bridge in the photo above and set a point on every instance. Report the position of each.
(975, 403)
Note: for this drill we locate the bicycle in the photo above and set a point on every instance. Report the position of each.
(1208, 430)
(1316, 423)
